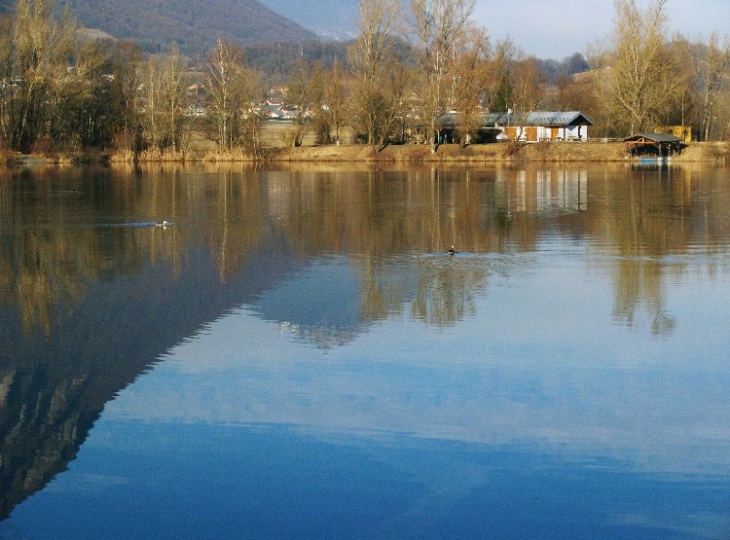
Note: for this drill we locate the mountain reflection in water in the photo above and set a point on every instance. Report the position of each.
(323, 300)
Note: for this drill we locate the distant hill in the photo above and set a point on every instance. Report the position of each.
(277, 60)
(194, 25)
(329, 19)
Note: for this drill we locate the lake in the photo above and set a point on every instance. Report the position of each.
(298, 355)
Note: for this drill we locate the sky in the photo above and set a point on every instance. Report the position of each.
(558, 28)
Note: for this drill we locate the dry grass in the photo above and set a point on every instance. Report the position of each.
(554, 152)
(204, 150)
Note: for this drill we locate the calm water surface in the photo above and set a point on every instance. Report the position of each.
(298, 356)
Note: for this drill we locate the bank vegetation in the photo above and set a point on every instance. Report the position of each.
(68, 96)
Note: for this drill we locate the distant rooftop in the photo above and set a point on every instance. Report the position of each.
(537, 118)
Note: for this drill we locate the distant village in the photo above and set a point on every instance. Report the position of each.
(532, 126)
(66, 95)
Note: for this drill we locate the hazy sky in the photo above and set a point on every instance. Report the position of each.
(558, 28)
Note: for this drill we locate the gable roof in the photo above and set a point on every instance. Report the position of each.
(537, 118)
(557, 119)
(653, 137)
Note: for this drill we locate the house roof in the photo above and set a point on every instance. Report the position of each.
(557, 119)
(653, 137)
(537, 118)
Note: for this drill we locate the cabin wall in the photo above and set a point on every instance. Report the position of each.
(576, 132)
(544, 133)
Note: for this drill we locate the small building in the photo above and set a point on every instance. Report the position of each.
(529, 127)
(654, 144)
(546, 126)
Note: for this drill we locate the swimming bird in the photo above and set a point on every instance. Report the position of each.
(452, 250)
(163, 224)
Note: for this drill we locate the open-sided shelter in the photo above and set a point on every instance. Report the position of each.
(654, 144)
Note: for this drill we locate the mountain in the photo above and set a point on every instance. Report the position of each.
(194, 25)
(329, 19)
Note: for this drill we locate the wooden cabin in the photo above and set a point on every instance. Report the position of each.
(546, 126)
(528, 127)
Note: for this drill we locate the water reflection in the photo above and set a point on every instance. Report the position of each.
(333, 256)
(54, 242)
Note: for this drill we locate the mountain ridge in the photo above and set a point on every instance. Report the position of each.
(194, 25)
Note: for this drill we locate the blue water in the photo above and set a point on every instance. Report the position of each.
(571, 382)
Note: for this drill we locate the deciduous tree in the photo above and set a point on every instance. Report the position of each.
(439, 27)
(232, 86)
(641, 73)
(164, 93)
(41, 46)
(368, 56)
(710, 62)
(471, 77)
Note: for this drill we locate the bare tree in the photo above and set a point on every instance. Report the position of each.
(41, 46)
(151, 87)
(302, 90)
(231, 86)
(528, 85)
(327, 94)
(394, 83)
(471, 77)
(6, 80)
(79, 113)
(334, 100)
(123, 81)
(497, 89)
(223, 69)
(164, 106)
(368, 54)
(640, 74)
(439, 27)
(173, 86)
(710, 62)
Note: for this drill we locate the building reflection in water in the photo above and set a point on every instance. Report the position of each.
(90, 302)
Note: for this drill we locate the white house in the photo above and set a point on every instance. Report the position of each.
(530, 127)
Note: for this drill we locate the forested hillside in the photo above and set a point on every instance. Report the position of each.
(276, 62)
(193, 24)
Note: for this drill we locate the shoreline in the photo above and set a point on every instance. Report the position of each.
(594, 151)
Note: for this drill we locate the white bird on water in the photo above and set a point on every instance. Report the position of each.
(163, 224)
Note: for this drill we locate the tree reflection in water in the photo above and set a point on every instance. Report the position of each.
(97, 303)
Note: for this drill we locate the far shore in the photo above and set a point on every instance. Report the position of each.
(594, 150)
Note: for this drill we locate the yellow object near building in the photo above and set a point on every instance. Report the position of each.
(683, 132)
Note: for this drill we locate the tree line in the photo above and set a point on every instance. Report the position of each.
(61, 90)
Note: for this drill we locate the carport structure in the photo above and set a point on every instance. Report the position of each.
(654, 144)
